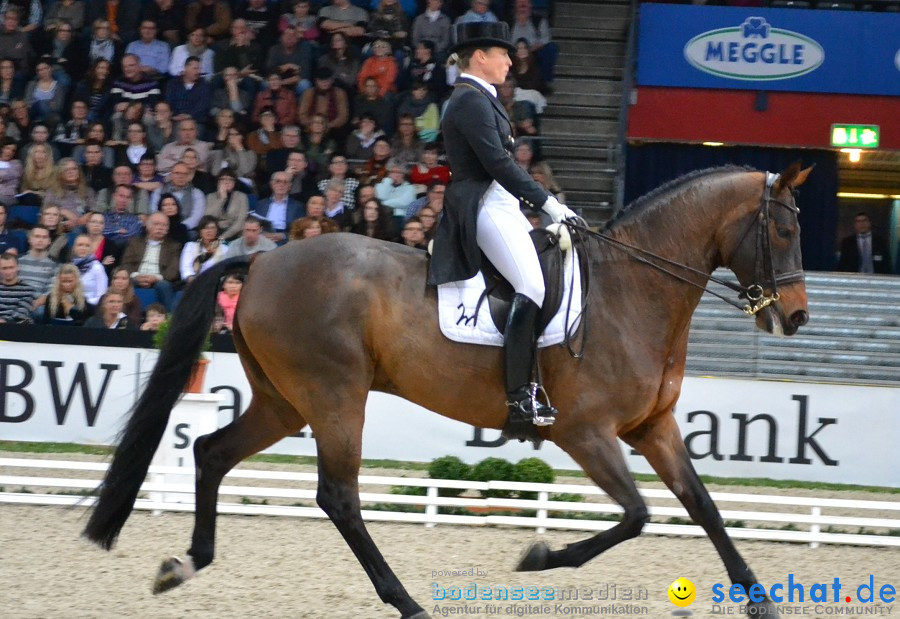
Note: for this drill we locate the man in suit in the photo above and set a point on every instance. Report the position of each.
(864, 252)
(279, 210)
(481, 205)
(152, 260)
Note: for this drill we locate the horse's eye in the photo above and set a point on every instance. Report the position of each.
(783, 233)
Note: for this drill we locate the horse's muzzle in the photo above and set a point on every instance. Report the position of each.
(799, 318)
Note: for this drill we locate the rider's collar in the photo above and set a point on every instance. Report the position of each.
(489, 87)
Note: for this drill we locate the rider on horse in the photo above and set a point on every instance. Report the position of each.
(482, 212)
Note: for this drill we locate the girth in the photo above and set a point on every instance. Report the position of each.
(499, 292)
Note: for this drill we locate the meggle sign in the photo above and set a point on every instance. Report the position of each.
(754, 51)
(852, 52)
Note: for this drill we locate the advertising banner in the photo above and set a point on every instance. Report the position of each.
(732, 428)
(852, 52)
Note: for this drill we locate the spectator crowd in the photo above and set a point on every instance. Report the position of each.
(143, 141)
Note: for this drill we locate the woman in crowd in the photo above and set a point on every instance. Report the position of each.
(200, 179)
(339, 59)
(19, 121)
(406, 147)
(93, 275)
(525, 69)
(133, 112)
(305, 228)
(102, 44)
(224, 118)
(51, 218)
(102, 248)
(110, 314)
(428, 218)
(44, 95)
(10, 85)
(360, 143)
(228, 206)
(94, 89)
(420, 105)
(135, 146)
(207, 250)
(10, 171)
(66, 303)
(426, 68)
(39, 173)
(375, 169)
(318, 143)
(235, 156)
(120, 283)
(543, 174)
(428, 169)
(389, 21)
(171, 208)
(377, 222)
(71, 193)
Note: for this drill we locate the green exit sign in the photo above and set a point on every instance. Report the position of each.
(855, 136)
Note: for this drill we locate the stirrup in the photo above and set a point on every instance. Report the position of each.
(530, 406)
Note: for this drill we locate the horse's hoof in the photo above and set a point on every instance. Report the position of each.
(761, 609)
(172, 573)
(419, 615)
(535, 558)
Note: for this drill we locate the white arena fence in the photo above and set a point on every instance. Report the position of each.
(799, 519)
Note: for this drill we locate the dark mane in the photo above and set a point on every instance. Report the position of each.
(669, 190)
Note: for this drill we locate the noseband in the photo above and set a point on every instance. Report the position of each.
(764, 268)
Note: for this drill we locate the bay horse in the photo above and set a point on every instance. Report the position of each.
(322, 322)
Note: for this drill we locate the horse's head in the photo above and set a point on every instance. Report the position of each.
(761, 245)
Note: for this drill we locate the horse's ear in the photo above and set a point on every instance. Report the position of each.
(801, 177)
(793, 176)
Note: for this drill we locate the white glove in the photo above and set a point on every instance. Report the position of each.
(558, 212)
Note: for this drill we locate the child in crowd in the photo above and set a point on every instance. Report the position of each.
(156, 315)
(228, 297)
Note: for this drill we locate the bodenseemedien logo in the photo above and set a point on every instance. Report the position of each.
(754, 51)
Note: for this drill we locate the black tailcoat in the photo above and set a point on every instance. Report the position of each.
(850, 258)
(479, 144)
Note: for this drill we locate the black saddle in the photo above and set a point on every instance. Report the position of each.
(499, 293)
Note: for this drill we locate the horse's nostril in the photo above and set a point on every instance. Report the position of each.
(799, 318)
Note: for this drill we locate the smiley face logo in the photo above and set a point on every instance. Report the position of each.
(682, 592)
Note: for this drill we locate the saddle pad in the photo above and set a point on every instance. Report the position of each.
(457, 303)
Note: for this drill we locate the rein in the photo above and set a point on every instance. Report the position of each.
(765, 269)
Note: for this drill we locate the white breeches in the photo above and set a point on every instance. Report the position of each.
(502, 234)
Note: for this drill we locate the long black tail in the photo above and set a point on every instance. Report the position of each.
(191, 322)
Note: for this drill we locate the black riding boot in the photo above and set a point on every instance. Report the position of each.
(519, 345)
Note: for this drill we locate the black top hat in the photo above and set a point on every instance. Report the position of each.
(482, 34)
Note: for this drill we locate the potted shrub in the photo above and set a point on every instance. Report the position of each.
(198, 374)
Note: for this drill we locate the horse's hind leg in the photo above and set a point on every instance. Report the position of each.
(601, 458)
(266, 420)
(339, 453)
(660, 442)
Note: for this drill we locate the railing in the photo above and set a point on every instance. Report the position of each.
(627, 85)
(162, 494)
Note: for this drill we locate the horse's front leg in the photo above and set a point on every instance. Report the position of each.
(600, 455)
(659, 441)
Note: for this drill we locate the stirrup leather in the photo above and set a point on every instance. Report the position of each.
(530, 406)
